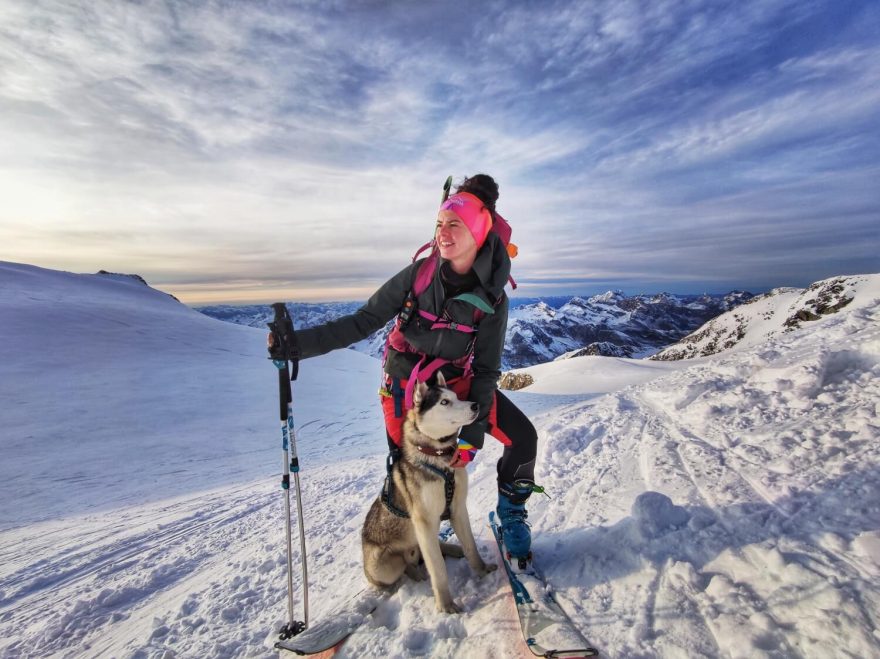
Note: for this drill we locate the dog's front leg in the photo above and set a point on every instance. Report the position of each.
(429, 544)
(461, 524)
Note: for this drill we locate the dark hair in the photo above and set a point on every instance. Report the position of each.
(483, 187)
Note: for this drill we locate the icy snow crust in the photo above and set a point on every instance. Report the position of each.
(723, 506)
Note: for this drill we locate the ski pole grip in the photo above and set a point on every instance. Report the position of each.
(447, 186)
(283, 345)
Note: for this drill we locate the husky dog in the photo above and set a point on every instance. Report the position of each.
(416, 487)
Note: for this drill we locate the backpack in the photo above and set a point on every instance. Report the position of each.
(423, 370)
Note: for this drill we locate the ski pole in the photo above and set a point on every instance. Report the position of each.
(447, 186)
(284, 353)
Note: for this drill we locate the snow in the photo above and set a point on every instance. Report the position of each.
(588, 377)
(723, 506)
(531, 313)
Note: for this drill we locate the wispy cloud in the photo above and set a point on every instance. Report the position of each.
(300, 146)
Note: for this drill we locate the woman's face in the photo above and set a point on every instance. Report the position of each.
(454, 239)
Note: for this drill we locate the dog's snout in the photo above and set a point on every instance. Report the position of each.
(475, 407)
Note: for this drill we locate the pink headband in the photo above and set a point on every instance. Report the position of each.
(472, 212)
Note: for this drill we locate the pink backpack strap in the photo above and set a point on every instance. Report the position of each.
(421, 373)
(421, 249)
(502, 228)
(425, 273)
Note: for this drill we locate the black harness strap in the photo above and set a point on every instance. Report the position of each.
(448, 487)
(388, 489)
(388, 499)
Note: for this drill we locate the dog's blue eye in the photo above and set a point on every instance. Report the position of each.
(444, 402)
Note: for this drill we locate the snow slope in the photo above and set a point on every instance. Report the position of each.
(781, 310)
(120, 394)
(724, 506)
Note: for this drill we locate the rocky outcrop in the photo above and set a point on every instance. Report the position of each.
(137, 278)
(825, 297)
(599, 349)
(515, 381)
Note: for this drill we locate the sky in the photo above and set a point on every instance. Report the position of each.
(258, 151)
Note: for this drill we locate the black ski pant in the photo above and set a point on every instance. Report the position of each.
(518, 460)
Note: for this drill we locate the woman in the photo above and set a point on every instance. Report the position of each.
(456, 325)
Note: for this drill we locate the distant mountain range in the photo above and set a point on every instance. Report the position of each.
(611, 324)
(540, 330)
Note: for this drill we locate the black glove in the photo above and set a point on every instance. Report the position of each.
(282, 343)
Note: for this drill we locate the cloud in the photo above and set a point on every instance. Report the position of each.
(305, 144)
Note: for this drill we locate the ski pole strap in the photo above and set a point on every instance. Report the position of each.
(285, 395)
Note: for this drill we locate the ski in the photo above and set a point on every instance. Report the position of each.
(546, 627)
(334, 630)
(337, 626)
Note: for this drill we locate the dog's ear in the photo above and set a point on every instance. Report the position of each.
(441, 381)
(419, 393)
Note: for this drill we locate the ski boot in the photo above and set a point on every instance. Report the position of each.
(511, 511)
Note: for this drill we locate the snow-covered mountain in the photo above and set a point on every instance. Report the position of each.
(611, 324)
(780, 310)
(722, 506)
(304, 314)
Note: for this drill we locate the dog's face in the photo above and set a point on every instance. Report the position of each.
(439, 411)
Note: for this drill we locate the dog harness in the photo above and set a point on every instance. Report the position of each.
(447, 476)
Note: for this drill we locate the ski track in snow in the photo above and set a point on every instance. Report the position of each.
(209, 579)
(723, 507)
(756, 554)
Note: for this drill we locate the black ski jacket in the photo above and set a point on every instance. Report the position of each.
(492, 269)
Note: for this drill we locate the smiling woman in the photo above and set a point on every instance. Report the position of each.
(451, 312)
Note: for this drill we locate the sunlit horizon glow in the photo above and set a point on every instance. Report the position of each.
(207, 296)
(241, 152)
